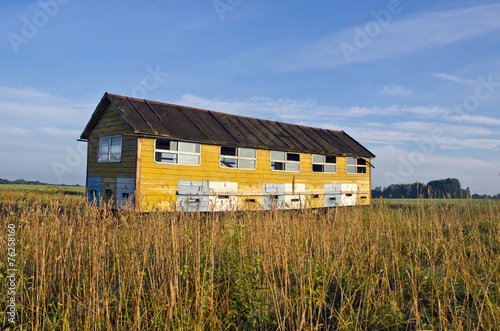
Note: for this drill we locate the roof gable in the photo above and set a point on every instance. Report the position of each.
(180, 122)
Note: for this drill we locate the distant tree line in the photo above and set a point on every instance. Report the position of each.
(442, 188)
(28, 182)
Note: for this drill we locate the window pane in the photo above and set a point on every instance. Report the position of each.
(293, 166)
(278, 165)
(104, 149)
(247, 164)
(318, 168)
(189, 159)
(330, 168)
(247, 152)
(350, 160)
(116, 149)
(361, 170)
(318, 158)
(116, 141)
(103, 156)
(350, 169)
(331, 159)
(361, 162)
(166, 144)
(292, 157)
(231, 151)
(279, 156)
(189, 147)
(228, 162)
(166, 157)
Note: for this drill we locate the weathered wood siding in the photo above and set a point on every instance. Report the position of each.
(111, 124)
(158, 183)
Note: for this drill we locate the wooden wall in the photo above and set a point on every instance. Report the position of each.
(159, 182)
(111, 124)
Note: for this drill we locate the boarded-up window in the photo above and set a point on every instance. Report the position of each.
(324, 163)
(283, 161)
(110, 149)
(237, 157)
(177, 152)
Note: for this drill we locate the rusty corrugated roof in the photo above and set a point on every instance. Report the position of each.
(167, 120)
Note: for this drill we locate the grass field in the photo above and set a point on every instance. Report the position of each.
(44, 188)
(439, 202)
(389, 266)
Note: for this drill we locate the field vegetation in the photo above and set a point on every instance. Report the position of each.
(46, 188)
(389, 266)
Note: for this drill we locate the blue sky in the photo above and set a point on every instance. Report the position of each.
(416, 82)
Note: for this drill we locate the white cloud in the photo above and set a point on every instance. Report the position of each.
(42, 127)
(403, 34)
(483, 120)
(60, 132)
(11, 93)
(28, 107)
(395, 90)
(457, 79)
(13, 131)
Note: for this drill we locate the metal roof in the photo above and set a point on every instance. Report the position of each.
(179, 122)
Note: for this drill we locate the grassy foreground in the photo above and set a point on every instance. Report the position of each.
(377, 267)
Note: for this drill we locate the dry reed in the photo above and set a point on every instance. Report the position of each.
(375, 267)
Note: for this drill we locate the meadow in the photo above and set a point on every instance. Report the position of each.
(389, 266)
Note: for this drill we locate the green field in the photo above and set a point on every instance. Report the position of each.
(44, 188)
(439, 202)
(428, 265)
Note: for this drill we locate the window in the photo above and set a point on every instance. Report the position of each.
(355, 166)
(110, 149)
(324, 163)
(283, 161)
(237, 157)
(177, 152)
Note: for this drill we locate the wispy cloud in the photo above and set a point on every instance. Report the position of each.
(300, 111)
(29, 107)
(456, 79)
(482, 120)
(395, 90)
(404, 34)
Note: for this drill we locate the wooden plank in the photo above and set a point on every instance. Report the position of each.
(161, 180)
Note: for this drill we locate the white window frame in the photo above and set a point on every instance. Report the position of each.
(285, 161)
(324, 164)
(356, 166)
(237, 157)
(177, 152)
(109, 158)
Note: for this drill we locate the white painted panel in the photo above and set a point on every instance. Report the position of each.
(223, 196)
(294, 201)
(221, 188)
(348, 199)
(332, 188)
(187, 187)
(223, 202)
(299, 188)
(349, 188)
(273, 188)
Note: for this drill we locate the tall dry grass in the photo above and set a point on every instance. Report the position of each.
(376, 267)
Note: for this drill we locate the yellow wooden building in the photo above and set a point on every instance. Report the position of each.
(159, 156)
